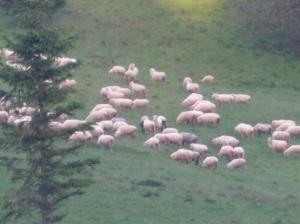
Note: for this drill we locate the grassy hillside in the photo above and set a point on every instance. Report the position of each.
(138, 185)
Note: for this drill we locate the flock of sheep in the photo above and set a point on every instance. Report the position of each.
(105, 126)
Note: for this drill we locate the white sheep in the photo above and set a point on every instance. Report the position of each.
(174, 138)
(137, 88)
(107, 125)
(191, 99)
(238, 152)
(188, 117)
(202, 149)
(226, 151)
(117, 69)
(192, 87)
(209, 79)
(160, 122)
(157, 76)
(147, 125)
(106, 141)
(152, 142)
(126, 130)
(64, 61)
(292, 150)
(204, 105)
(210, 162)
(140, 104)
(163, 139)
(169, 130)
(56, 126)
(277, 145)
(121, 103)
(245, 130)
(236, 163)
(185, 81)
(209, 118)
(132, 72)
(67, 84)
(223, 98)
(80, 136)
(73, 123)
(226, 140)
(185, 155)
(281, 135)
(262, 128)
(3, 116)
(294, 131)
(241, 98)
(96, 116)
(277, 123)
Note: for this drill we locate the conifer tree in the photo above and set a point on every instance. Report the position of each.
(44, 168)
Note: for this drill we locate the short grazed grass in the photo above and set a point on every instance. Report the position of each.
(138, 185)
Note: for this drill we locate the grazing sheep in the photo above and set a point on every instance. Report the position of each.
(202, 149)
(191, 99)
(241, 98)
(292, 150)
(226, 151)
(107, 125)
(117, 69)
(106, 141)
(245, 130)
(238, 152)
(204, 105)
(101, 106)
(188, 137)
(236, 163)
(169, 130)
(223, 98)
(96, 116)
(137, 88)
(121, 103)
(209, 79)
(126, 130)
(118, 124)
(260, 128)
(185, 155)
(209, 118)
(157, 76)
(174, 138)
(97, 131)
(277, 123)
(3, 116)
(110, 112)
(132, 73)
(152, 142)
(284, 126)
(140, 104)
(294, 131)
(80, 136)
(67, 84)
(147, 125)
(277, 145)
(160, 122)
(226, 140)
(210, 162)
(281, 135)
(188, 117)
(163, 139)
(72, 124)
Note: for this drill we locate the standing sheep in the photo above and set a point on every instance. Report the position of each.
(106, 141)
(157, 76)
(185, 155)
(292, 150)
(245, 130)
(137, 88)
(188, 137)
(117, 69)
(262, 128)
(126, 130)
(236, 163)
(152, 142)
(209, 79)
(202, 149)
(210, 162)
(209, 118)
(277, 145)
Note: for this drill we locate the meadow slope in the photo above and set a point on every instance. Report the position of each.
(138, 185)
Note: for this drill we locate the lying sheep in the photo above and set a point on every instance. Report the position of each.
(140, 104)
(117, 69)
(152, 142)
(202, 149)
(262, 128)
(277, 145)
(226, 140)
(137, 88)
(245, 130)
(210, 162)
(157, 76)
(292, 150)
(185, 155)
(226, 151)
(67, 84)
(209, 79)
(126, 130)
(209, 118)
(236, 163)
(281, 135)
(188, 137)
(238, 152)
(106, 141)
